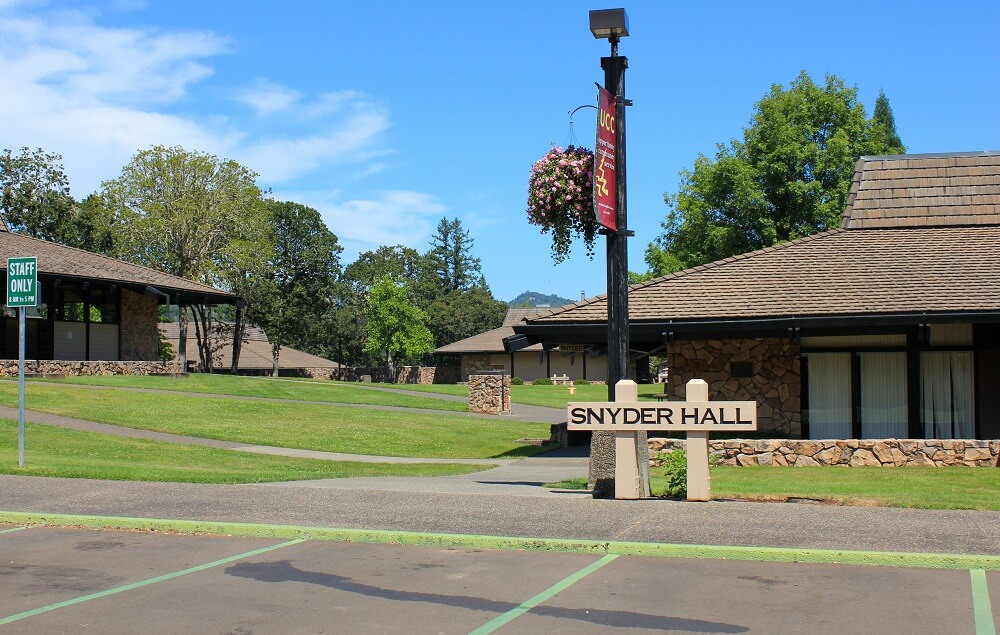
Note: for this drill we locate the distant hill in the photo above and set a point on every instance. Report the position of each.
(533, 298)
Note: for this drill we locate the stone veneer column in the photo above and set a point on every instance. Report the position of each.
(137, 327)
(489, 394)
(775, 382)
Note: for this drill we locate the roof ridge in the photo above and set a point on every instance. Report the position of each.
(931, 155)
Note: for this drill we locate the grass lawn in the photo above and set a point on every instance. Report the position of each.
(308, 426)
(327, 391)
(350, 392)
(548, 396)
(458, 390)
(920, 487)
(51, 451)
(558, 396)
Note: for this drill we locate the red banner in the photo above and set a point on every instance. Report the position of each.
(605, 190)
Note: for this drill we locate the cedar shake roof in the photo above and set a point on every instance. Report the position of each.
(924, 191)
(492, 341)
(255, 354)
(60, 261)
(933, 247)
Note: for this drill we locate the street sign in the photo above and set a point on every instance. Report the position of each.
(22, 291)
(22, 281)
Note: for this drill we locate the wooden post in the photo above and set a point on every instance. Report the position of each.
(627, 483)
(699, 483)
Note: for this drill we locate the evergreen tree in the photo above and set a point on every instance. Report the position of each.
(451, 257)
(886, 125)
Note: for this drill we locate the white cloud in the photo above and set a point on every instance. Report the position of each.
(396, 217)
(98, 94)
(267, 98)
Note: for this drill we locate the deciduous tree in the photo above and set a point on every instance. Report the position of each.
(395, 328)
(34, 193)
(180, 209)
(788, 177)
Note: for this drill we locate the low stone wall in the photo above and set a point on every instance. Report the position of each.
(402, 375)
(849, 453)
(489, 394)
(8, 368)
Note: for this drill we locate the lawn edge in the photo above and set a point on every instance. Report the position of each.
(466, 541)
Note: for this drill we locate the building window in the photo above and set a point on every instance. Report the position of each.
(883, 395)
(879, 382)
(829, 395)
(946, 399)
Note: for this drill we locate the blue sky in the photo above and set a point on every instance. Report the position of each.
(387, 116)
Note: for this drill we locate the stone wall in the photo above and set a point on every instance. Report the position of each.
(774, 379)
(402, 375)
(8, 368)
(489, 394)
(849, 453)
(137, 331)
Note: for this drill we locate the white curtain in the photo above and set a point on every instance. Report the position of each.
(829, 395)
(946, 395)
(883, 396)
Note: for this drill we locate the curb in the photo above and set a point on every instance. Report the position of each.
(374, 536)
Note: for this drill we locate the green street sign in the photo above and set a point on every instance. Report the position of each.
(22, 281)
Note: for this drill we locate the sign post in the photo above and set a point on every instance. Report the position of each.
(22, 292)
(697, 417)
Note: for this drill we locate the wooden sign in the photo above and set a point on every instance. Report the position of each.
(685, 416)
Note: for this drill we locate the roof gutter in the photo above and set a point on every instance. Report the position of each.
(694, 329)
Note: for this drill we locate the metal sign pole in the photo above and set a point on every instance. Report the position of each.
(20, 385)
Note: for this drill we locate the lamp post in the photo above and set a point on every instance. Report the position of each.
(612, 24)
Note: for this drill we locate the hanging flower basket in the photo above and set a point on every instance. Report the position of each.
(561, 198)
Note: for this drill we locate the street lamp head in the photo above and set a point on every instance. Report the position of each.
(610, 24)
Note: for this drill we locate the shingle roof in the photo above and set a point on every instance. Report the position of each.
(489, 342)
(925, 191)
(61, 261)
(492, 341)
(924, 253)
(255, 354)
(517, 314)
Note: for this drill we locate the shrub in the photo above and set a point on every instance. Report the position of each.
(582, 382)
(675, 465)
(516, 381)
(544, 381)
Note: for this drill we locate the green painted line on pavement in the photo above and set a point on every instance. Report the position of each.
(142, 583)
(649, 549)
(7, 531)
(527, 605)
(981, 603)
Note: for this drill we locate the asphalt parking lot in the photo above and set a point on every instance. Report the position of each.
(64, 579)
